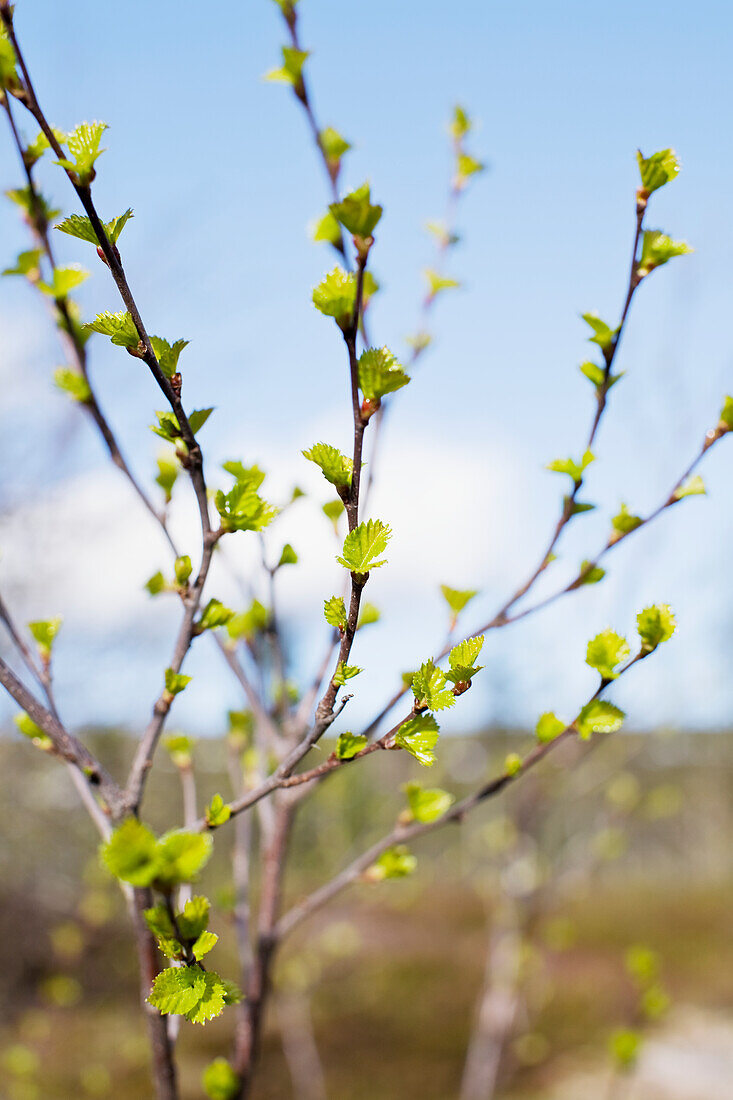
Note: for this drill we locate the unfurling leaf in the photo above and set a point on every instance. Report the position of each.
(368, 614)
(168, 470)
(44, 633)
(599, 716)
(334, 612)
(438, 282)
(191, 992)
(335, 296)
(168, 354)
(658, 169)
(625, 521)
(334, 466)
(34, 733)
(380, 374)
(691, 487)
(604, 336)
(363, 545)
(183, 568)
(419, 736)
(326, 229)
(428, 686)
(397, 862)
(349, 744)
(427, 805)
(513, 764)
(549, 726)
(657, 249)
(217, 812)
(214, 615)
(73, 383)
(606, 652)
(334, 146)
(590, 573)
(288, 556)
(574, 470)
(345, 672)
(457, 598)
(247, 624)
(291, 71)
(219, 1080)
(726, 414)
(120, 328)
(79, 225)
(356, 213)
(655, 624)
(241, 509)
(83, 145)
(176, 682)
(180, 748)
(462, 660)
(63, 281)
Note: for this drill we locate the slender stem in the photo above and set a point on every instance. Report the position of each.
(164, 1070)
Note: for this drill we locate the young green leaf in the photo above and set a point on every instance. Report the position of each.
(203, 944)
(160, 924)
(34, 733)
(291, 71)
(380, 374)
(287, 556)
(120, 328)
(437, 282)
(599, 716)
(690, 487)
(168, 355)
(180, 749)
(345, 672)
(326, 230)
(168, 470)
(513, 764)
(606, 652)
(176, 682)
(219, 1080)
(194, 918)
(241, 509)
(334, 612)
(155, 584)
(428, 686)
(334, 466)
(27, 265)
(462, 660)
(131, 853)
(427, 805)
(467, 166)
(79, 226)
(247, 624)
(574, 470)
(217, 812)
(251, 477)
(333, 510)
(655, 624)
(589, 573)
(44, 633)
(181, 855)
(625, 521)
(83, 145)
(604, 336)
(183, 568)
(460, 124)
(726, 414)
(73, 383)
(658, 169)
(356, 213)
(657, 249)
(419, 736)
(214, 615)
(363, 545)
(549, 726)
(177, 990)
(349, 744)
(335, 296)
(368, 614)
(397, 862)
(63, 281)
(334, 146)
(457, 598)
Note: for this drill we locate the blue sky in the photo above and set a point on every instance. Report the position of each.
(219, 169)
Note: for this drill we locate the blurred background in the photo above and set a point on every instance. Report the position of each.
(590, 862)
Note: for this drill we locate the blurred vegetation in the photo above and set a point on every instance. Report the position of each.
(583, 862)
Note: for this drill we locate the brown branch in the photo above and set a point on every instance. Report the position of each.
(65, 745)
(404, 833)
